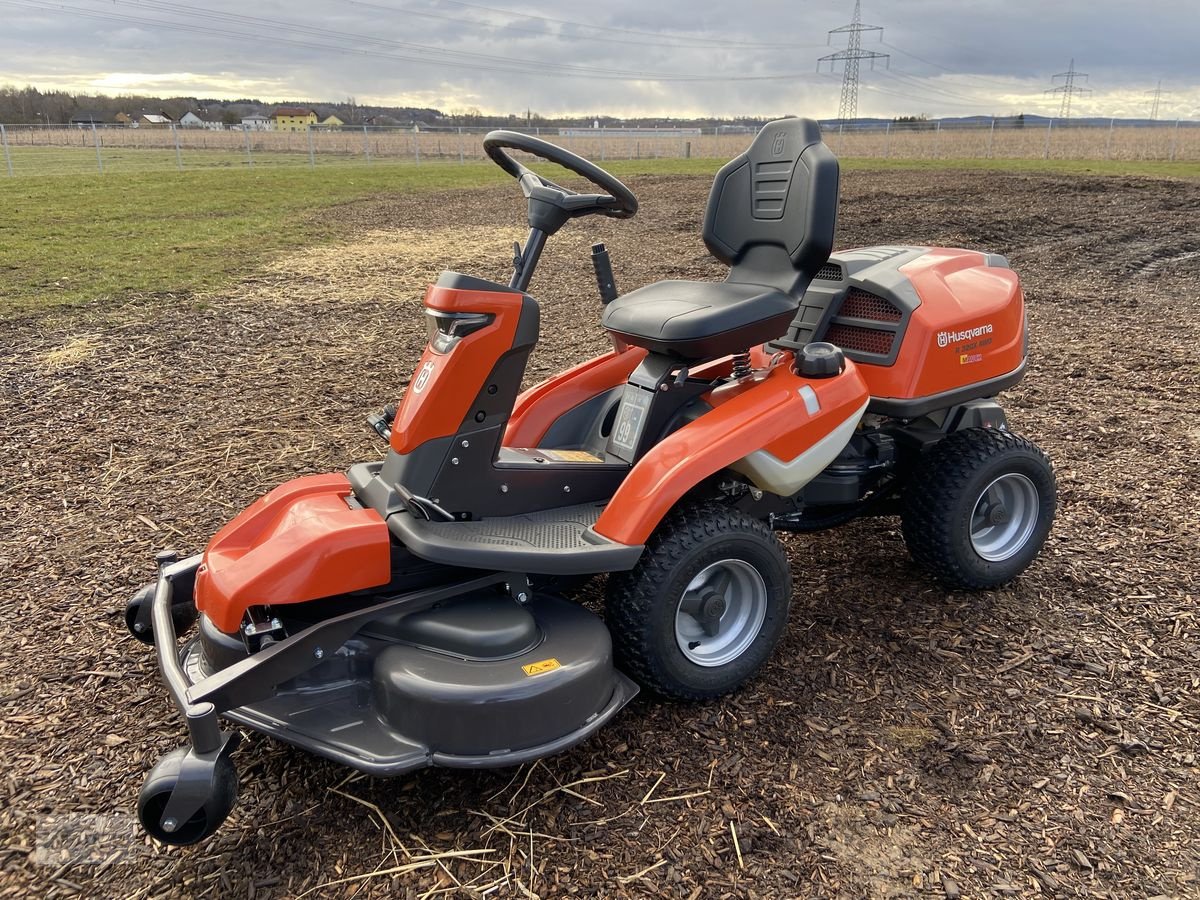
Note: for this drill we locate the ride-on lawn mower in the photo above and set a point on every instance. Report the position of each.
(411, 612)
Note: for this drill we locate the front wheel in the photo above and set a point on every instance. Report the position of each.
(978, 508)
(162, 782)
(702, 610)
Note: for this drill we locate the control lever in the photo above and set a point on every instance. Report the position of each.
(604, 274)
(382, 421)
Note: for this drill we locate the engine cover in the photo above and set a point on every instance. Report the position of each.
(920, 322)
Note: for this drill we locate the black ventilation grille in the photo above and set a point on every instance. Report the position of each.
(829, 272)
(861, 340)
(860, 304)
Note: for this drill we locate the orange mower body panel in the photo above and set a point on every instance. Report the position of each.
(300, 542)
(783, 414)
(455, 377)
(968, 328)
(538, 408)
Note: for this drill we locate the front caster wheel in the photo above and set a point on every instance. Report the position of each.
(978, 508)
(183, 616)
(702, 610)
(163, 781)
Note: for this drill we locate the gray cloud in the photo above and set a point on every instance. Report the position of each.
(948, 56)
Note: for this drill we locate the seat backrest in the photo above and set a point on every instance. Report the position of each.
(772, 211)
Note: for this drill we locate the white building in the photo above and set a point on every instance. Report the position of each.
(256, 123)
(202, 119)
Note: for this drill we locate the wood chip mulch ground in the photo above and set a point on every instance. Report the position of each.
(904, 741)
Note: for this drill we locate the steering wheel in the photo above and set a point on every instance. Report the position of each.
(550, 204)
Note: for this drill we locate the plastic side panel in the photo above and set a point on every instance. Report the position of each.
(300, 542)
(968, 328)
(441, 391)
(770, 415)
(541, 406)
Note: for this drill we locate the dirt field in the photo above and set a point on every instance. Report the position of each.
(904, 741)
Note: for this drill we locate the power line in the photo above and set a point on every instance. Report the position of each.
(1157, 92)
(937, 65)
(700, 41)
(850, 58)
(1068, 89)
(679, 41)
(450, 58)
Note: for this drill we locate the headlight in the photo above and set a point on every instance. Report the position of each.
(446, 329)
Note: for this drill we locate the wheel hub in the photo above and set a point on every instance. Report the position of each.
(721, 612)
(1004, 517)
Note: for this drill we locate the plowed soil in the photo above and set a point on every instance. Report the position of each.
(904, 740)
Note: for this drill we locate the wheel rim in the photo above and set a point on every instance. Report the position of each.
(1004, 517)
(721, 612)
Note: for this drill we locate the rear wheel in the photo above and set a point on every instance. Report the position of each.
(705, 605)
(979, 507)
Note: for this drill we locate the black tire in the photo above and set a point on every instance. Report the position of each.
(642, 605)
(944, 515)
(183, 616)
(156, 792)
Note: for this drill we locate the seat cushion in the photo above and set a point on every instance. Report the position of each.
(700, 319)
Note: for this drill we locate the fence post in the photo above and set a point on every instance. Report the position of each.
(1174, 139)
(991, 137)
(178, 154)
(99, 158)
(1049, 128)
(7, 156)
(417, 146)
(887, 142)
(461, 159)
(312, 153)
(1108, 143)
(603, 148)
(366, 145)
(249, 153)
(937, 140)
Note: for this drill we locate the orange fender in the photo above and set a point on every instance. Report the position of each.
(770, 415)
(300, 542)
(543, 404)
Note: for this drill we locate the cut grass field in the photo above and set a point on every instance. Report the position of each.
(78, 238)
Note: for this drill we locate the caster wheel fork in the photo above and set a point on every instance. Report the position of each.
(187, 795)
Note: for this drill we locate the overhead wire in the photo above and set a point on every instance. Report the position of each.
(666, 39)
(469, 60)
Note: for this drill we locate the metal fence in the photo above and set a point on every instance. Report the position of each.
(66, 149)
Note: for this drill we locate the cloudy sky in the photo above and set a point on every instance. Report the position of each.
(622, 57)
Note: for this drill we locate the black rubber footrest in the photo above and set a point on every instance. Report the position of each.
(551, 542)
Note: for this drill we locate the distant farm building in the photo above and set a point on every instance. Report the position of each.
(332, 122)
(152, 120)
(87, 119)
(256, 123)
(294, 118)
(202, 119)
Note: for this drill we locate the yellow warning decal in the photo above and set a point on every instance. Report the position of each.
(541, 668)
(571, 456)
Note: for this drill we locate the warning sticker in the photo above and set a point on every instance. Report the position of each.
(541, 668)
(571, 456)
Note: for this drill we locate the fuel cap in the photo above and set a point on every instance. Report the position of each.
(820, 360)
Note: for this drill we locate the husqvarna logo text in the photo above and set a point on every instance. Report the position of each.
(946, 338)
(423, 377)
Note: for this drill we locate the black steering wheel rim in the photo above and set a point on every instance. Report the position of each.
(495, 143)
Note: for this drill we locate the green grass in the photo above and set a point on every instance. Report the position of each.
(73, 238)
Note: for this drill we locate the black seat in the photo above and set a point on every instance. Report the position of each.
(770, 217)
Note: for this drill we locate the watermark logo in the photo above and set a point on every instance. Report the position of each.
(87, 839)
